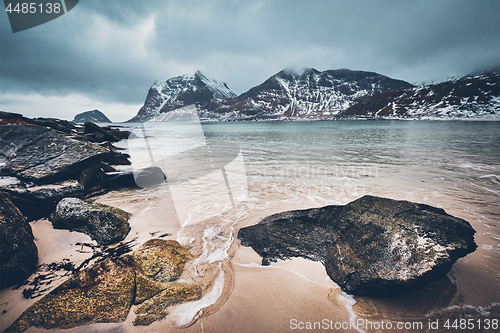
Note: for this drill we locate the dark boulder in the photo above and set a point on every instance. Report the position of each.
(120, 133)
(98, 134)
(18, 252)
(104, 224)
(38, 201)
(134, 178)
(372, 246)
(41, 155)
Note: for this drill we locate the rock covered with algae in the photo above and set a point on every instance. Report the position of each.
(161, 262)
(105, 292)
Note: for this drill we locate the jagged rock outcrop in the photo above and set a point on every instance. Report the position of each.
(41, 155)
(38, 201)
(18, 252)
(371, 246)
(44, 160)
(105, 292)
(104, 224)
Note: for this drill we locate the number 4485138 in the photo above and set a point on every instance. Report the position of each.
(32, 8)
(487, 324)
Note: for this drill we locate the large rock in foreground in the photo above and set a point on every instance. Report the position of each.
(104, 224)
(18, 252)
(372, 246)
(105, 292)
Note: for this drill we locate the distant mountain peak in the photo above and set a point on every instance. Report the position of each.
(181, 91)
(93, 116)
(297, 72)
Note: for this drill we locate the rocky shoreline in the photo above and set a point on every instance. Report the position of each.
(106, 291)
(43, 161)
(49, 168)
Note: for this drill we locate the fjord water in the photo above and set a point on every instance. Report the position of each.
(281, 166)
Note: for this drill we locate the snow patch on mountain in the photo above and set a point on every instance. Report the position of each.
(174, 93)
(469, 97)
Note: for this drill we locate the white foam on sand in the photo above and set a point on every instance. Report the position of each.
(187, 312)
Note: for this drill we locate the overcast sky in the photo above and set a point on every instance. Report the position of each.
(105, 54)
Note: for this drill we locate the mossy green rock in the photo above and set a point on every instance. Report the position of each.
(166, 264)
(105, 292)
(104, 224)
(372, 246)
(155, 308)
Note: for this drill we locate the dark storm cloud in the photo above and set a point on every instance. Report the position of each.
(111, 51)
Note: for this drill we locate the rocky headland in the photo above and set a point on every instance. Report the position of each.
(372, 246)
(94, 116)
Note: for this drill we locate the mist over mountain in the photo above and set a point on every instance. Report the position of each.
(312, 94)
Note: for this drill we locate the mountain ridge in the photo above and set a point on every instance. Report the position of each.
(311, 94)
(471, 96)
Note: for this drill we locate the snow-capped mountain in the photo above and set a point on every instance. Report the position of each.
(179, 92)
(286, 95)
(332, 94)
(472, 96)
(308, 95)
